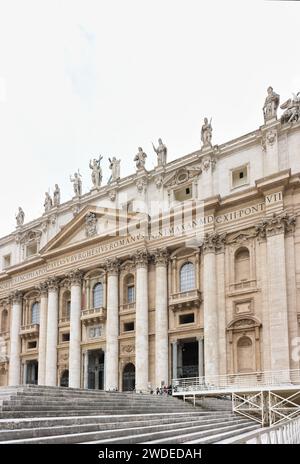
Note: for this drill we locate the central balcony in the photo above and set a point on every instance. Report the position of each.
(180, 300)
(94, 315)
(29, 330)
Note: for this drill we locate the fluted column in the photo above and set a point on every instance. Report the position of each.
(52, 333)
(161, 318)
(141, 322)
(112, 326)
(15, 344)
(211, 244)
(42, 333)
(75, 329)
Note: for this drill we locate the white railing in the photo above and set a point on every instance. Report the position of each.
(287, 433)
(236, 382)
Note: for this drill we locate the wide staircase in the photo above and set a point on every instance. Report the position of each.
(36, 414)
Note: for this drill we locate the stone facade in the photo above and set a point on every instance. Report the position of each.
(190, 269)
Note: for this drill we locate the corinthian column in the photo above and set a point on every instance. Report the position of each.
(161, 318)
(273, 229)
(141, 322)
(112, 326)
(52, 332)
(14, 357)
(43, 288)
(211, 244)
(75, 329)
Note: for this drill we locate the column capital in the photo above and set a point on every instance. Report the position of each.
(42, 287)
(75, 277)
(16, 297)
(214, 243)
(161, 257)
(112, 266)
(281, 223)
(141, 258)
(52, 284)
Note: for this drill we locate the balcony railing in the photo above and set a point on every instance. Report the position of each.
(127, 306)
(237, 382)
(185, 299)
(243, 285)
(64, 321)
(29, 330)
(93, 315)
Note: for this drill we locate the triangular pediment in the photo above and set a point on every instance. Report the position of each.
(91, 224)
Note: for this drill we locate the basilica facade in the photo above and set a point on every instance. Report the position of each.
(190, 269)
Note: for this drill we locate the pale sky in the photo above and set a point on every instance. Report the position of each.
(82, 78)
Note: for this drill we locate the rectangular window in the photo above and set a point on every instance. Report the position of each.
(6, 261)
(239, 176)
(128, 326)
(130, 294)
(183, 194)
(187, 318)
(31, 345)
(31, 250)
(65, 337)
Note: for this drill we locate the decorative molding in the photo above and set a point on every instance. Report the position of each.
(128, 348)
(141, 185)
(75, 277)
(16, 297)
(90, 224)
(112, 266)
(141, 258)
(182, 175)
(43, 288)
(52, 283)
(161, 257)
(207, 162)
(214, 243)
(276, 224)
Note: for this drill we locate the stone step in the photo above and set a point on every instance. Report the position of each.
(79, 412)
(122, 434)
(69, 401)
(168, 436)
(194, 435)
(228, 435)
(34, 422)
(87, 430)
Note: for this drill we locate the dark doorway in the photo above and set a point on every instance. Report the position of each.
(188, 359)
(96, 370)
(32, 372)
(64, 379)
(129, 377)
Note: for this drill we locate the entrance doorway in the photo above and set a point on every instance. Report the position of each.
(128, 381)
(96, 370)
(188, 359)
(64, 379)
(32, 372)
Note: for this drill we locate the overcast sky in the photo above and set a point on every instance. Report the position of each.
(82, 78)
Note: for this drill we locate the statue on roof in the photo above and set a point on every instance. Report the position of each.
(271, 104)
(20, 217)
(161, 152)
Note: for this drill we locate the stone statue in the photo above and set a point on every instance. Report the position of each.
(140, 159)
(161, 152)
(56, 196)
(96, 172)
(20, 217)
(271, 104)
(77, 183)
(48, 202)
(206, 133)
(292, 109)
(114, 165)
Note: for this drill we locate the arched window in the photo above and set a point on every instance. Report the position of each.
(187, 277)
(98, 295)
(242, 265)
(129, 289)
(35, 313)
(4, 321)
